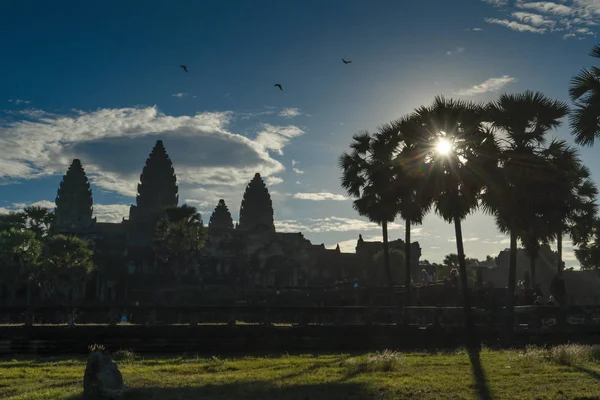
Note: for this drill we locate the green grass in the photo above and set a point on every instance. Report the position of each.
(564, 372)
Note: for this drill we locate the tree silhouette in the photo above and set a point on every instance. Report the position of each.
(368, 175)
(585, 93)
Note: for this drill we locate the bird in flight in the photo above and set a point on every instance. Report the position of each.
(346, 62)
(279, 86)
(184, 68)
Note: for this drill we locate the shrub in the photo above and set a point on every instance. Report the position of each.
(384, 361)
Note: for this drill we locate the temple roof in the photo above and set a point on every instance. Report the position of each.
(257, 207)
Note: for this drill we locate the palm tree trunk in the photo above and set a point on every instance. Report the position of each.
(559, 251)
(532, 271)
(512, 278)
(462, 265)
(407, 259)
(386, 258)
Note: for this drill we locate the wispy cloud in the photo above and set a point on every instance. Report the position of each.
(19, 101)
(457, 50)
(331, 224)
(114, 143)
(473, 29)
(273, 180)
(180, 95)
(515, 26)
(565, 16)
(496, 3)
(490, 85)
(319, 196)
(298, 171)
(290, 112)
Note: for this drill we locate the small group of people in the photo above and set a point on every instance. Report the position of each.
(427, 277)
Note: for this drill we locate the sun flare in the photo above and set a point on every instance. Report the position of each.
(443, 147)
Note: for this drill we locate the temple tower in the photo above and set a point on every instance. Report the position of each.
(74, 201)
(156, 191)
(256, 208)
(220, 220)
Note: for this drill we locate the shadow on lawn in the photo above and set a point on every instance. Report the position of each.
(253, 390)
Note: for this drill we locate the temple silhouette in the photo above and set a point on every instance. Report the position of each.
(237, 259)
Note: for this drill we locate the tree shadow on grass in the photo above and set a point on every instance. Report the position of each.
(481, 383)
(253, 390)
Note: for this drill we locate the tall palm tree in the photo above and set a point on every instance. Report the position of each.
(585, 93)
(524, 121)
(572, 196)
(38, 219)
(367, 176)
(458, 153)
(408, 185)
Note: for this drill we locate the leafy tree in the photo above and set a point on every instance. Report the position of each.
(19, 258)
(180, 236)
(515, 197)
(458, 153)
(585, 93)
(588, 253)
(368, 176)
(397, 259)
(66, 259)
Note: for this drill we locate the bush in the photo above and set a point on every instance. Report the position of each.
(384, 361)
(566, 354)
(124, 355)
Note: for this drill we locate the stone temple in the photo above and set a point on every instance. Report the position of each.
(237, 259)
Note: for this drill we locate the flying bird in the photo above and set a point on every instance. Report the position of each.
(346, 62)
(279, 86)
(184, 68)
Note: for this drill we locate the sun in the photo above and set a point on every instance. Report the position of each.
(443, 147)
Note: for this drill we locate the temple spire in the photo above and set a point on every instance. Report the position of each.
(158, 186)
(74, 200)
(220, 220)
(256, 208)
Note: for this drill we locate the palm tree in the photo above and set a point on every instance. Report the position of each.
(524, 120)
(413, 203)
(367, 176)
(572, 195)
(38, 219)
(458, 154)
(585, 93)
(179, 237)
(13, 219)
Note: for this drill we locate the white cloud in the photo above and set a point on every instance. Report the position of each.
(516, 26)
(468, 239)
(474, 29)
(298, 183)
(458, 50)
(290, 112)
(113, 145)
(496, 3)
(40, 203)
(298, 171)
(19, 101)
(319, 196)
(552, 16)
(331, 224)
(276, 137)
(489, 85)
(547, 7)
(180, 95)
(273, 180)
(534, 19)
(111, 212)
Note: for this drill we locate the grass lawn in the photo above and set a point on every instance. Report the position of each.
(565, 372)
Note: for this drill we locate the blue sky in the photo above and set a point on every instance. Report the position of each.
(101, 81)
